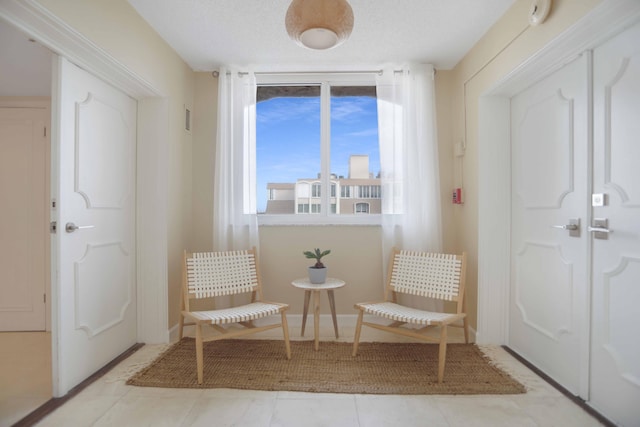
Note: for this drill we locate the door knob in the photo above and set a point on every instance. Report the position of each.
(600, 228)
(570, 227)
(573, 227)
(71, 227)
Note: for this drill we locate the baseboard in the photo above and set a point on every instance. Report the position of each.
(173, 333)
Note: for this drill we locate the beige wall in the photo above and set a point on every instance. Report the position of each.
(118, 29)
(204, 137)
(355, 257)
(447, 161)
(356, 250)
(506, 45)
(115, 26)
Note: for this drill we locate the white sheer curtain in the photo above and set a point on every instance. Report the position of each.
(411, 211)
(235, 224)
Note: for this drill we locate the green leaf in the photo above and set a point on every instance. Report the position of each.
(317, 254)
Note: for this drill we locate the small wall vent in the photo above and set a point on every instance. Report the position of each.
(187, 120)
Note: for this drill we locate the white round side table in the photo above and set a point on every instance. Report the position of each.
(329, 285)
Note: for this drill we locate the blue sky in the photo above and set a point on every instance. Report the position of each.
(288, 138)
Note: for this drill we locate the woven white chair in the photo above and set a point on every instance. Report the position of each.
(422, 274)
(214, 274)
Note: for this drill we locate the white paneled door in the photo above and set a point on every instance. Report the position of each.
(95, 292)
(549, 287)
(23, 218)
(575, 248)
(615, 347)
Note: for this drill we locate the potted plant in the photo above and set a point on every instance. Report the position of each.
(317, 272)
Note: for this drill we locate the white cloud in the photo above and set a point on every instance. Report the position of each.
(364, 133)
(278, 110)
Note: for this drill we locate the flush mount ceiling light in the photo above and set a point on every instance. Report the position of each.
(319, 24)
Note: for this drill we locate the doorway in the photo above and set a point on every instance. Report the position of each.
(152, 165)
(604, 375)
(25, 315)
(548, 309)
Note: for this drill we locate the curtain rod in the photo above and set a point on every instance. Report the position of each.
(216, 73)
(276, 73)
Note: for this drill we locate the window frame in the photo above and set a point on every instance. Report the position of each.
(356, 205)
(316, 190)
(325, 81)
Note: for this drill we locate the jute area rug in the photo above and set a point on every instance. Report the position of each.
(379, 368)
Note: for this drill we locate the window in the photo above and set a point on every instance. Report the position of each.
(369, 192)
(302, 189)
(316, 133)
(362, 208)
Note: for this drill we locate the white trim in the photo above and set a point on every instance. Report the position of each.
(151, 223)
(55, 34)
(607, 19)
(604, 21)
(494, 219)
(55, 247)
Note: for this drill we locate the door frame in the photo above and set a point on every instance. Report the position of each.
(151, 163)
(494, 160)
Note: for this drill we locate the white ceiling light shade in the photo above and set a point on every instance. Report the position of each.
(319, 24)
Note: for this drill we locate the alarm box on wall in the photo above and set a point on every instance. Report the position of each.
(457, 196)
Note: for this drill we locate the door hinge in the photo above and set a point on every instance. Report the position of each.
(53, 227)
(44, 298)
(45, 131)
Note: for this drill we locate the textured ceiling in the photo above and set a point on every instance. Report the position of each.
(210, 33)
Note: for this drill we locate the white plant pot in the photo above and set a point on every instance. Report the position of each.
(317, 276)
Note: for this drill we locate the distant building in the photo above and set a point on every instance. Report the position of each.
(359, 193)
(281, 198)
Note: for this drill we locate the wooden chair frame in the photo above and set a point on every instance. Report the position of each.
(438, 276)
(214, 274)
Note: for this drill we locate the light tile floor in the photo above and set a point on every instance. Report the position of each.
(109, 402)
